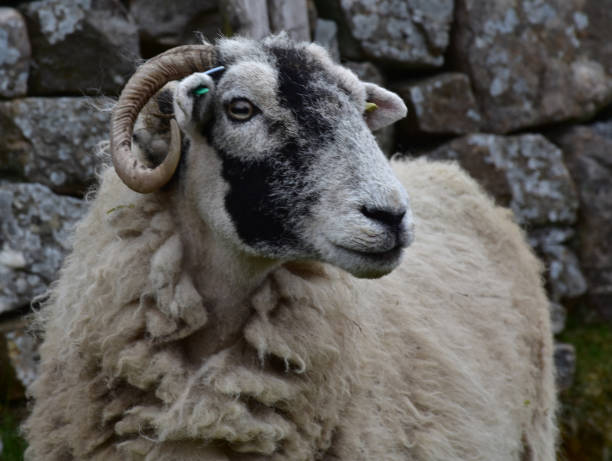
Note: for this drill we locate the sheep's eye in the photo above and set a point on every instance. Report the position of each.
(240, 109)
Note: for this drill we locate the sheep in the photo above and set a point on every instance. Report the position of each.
(274, 289)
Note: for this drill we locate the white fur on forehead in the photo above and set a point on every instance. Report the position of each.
(238, 49)
(346, 78)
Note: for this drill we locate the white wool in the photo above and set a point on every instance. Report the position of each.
(448, 357)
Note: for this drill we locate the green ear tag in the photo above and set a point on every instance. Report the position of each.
(370, 106)
(200, 91)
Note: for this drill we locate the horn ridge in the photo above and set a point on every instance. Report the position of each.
(150, 77)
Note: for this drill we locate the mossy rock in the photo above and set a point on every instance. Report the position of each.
(586, 413)
(12, 445)
(12, 409)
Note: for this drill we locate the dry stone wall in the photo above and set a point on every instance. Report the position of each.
(527, 61)
(517, 91)
(80, 46)
(14, 54)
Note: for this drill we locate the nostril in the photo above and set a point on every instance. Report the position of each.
(388, 217)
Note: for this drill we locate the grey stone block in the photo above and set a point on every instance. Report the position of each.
(443, 104)
(14, 54)
(291, 17)
(246, 17)
(326, 35)
(80, 46)
(405, 32)
(53, 140)
(34, 238)
(530, 61)
(525, 172)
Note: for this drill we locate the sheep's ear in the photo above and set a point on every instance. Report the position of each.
(382, 107)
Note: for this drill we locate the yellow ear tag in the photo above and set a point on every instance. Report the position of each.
(370, 106)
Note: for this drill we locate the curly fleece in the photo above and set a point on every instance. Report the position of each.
(446, 358)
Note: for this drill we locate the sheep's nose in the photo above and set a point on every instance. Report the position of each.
(390, 218)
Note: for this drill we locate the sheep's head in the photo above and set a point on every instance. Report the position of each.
(278, 157)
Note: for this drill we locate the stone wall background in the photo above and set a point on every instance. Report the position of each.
(519, 92)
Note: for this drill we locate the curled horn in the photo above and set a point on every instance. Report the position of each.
(174, 64)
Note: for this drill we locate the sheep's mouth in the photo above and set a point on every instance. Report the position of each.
(376, 256)
(370, 264)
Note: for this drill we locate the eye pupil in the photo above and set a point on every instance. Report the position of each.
(240, 109)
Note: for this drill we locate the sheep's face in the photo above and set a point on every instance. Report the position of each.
(279, 160)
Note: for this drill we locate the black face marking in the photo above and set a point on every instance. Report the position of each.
(297, 71)
(269, 196)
